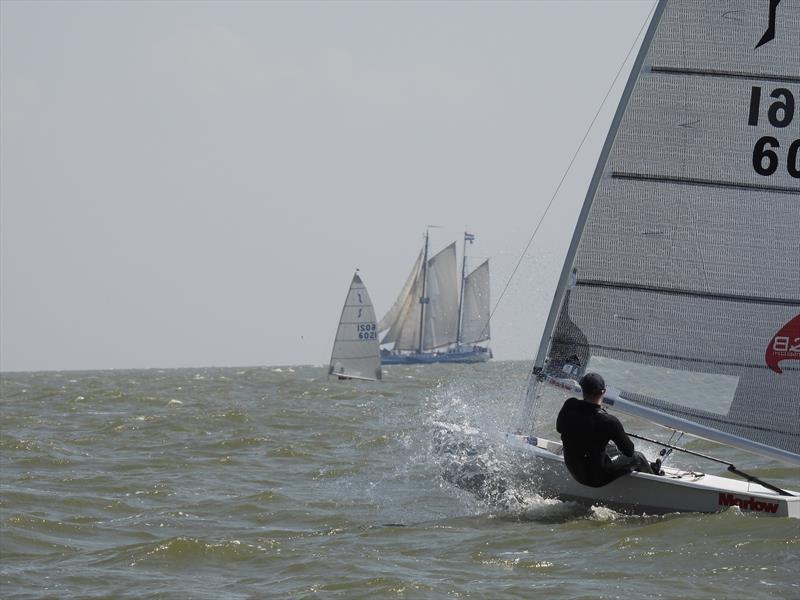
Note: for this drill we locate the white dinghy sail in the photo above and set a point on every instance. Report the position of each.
(356, 352)
(682, 280)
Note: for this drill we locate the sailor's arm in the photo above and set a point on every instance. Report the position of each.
(619, 437)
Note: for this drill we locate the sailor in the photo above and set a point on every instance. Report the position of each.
(586, 429)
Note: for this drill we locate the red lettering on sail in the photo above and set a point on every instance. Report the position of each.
(784, 345)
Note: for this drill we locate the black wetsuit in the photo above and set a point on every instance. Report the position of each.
(585, 430)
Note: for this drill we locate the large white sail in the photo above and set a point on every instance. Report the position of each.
(356, 351)
(401, 323)
(475, 320)
(686, 256)
(403, 299)
(441, 312)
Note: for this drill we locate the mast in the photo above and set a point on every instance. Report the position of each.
(470, 237)
(567, 270)
(568, 275)
(423, 300)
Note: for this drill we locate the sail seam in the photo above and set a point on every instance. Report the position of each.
(682, 292)
(705, 182)
(719, 363)
(725, 74)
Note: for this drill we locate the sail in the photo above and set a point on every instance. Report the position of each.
(441, 312)
(404, 332)
(406, 297)
(356, 352)
(686, 257)
(402, 322)
(475, 320)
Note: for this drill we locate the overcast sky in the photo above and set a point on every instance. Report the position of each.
(193, 184)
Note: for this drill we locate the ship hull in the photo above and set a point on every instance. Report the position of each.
(477, 354)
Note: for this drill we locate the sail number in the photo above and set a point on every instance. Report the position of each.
(780, 113)
(366, 331)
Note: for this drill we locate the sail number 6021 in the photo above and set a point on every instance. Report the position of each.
(366, 331)
(780, 114)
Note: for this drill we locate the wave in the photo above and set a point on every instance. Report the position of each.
(180, 551)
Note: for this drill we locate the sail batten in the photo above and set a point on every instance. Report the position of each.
(705, 182)
(615, 351)
(685, 261)
(686, 292)
(724, 74)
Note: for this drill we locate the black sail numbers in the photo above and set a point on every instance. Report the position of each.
(771, 153)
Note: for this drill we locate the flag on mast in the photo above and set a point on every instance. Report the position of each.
(469, 237)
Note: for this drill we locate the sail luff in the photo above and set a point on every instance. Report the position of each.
(524, 414)
(600, 168)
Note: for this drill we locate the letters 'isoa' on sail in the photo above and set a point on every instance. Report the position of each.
(688, 261)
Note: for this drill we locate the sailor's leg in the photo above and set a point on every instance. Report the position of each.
(642, 464)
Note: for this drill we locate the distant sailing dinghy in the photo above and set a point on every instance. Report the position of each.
(434, 320)
(682, 282)
(356, 353)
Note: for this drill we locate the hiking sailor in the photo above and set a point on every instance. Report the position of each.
(586, 429)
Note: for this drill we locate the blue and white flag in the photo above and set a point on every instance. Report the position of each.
(469, 237)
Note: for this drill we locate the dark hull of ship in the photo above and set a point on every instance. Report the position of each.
(473, 354)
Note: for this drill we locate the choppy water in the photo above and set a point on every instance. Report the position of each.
(275, 483)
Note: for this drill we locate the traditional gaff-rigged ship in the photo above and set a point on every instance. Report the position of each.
(434, 320)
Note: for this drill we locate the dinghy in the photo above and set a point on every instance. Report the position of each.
(356, 352)
(681, 285)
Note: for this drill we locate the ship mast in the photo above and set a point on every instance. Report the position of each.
(423, 300)
(461, 293)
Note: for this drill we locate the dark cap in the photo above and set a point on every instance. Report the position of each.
(592, 384)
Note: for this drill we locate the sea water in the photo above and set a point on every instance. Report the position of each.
(277, 483)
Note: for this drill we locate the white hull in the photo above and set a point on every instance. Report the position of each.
(676, 491)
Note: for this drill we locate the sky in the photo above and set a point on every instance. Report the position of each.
(189, 184)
